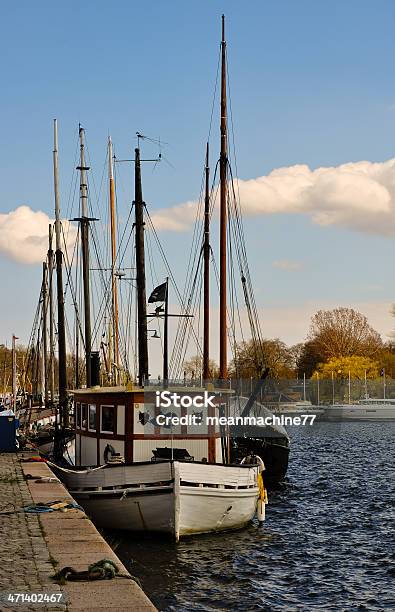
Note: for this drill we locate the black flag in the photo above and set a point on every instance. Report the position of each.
(158, 294)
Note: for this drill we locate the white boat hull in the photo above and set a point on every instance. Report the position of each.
(360, 412)
(172, 498)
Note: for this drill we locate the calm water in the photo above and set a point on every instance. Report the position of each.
(328, 542)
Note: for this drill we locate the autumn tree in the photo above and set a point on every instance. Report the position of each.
(307, 358)
(276, 355)
(343, 332)
(386, 358)
(356, 366)
(193, 367)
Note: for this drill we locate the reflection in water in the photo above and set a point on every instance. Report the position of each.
(327, 544)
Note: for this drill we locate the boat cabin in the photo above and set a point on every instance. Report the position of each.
(116, 422)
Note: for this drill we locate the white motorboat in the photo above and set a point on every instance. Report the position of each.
(296, 408)
(365, 410)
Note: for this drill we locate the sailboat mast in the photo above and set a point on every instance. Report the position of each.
(84, 225)
(44, 335)
(115, 316)
(166, 337)
(140, 273)
(60, 298)
(223, 167)
(206, 272)
(14, 374)
(51, 327)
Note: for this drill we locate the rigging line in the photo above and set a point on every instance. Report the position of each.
(235, 301)
(192, 251)
(132, 295)
(66, 255)
(129, 326)
(130, 235)
(184, 345)
(198, 223)
(119, 258)
(154, 277)
(216, 273)
(238, 190)
(185, 340)
(231, 278)
(199, 306)
(182, 324)
(171, 276)
(69, 206)
(177, 348)
(190, 309)
(237, 185)
(255, 338)
(74, 298)
(33, 335)
(244, 255)
(129, 289)
(68, 267)
(194, 309)
(73, 182)
(215, 94)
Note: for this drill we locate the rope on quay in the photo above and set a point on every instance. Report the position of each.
(105, 569)
(58, 505)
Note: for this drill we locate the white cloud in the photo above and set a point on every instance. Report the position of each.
(286, 264)
(24, 234)
(356, 195)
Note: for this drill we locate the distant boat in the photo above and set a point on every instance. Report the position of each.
(365, 410)
(296, 408)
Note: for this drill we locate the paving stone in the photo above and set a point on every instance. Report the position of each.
(29, 544)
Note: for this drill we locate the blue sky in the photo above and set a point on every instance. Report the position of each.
(311, 82)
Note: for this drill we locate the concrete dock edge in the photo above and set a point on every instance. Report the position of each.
(73, 540)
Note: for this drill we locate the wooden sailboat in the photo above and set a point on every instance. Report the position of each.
(131, 473)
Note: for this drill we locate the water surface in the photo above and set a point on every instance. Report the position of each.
(327, 544)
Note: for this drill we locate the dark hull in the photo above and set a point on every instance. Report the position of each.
(273, 452)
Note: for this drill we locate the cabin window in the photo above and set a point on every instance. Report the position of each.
(92, 417)
(108, 419)
(84, 415)
(78, 416)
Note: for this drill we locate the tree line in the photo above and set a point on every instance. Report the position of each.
(340, 342)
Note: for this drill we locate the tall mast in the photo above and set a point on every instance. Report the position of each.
(166, 337)
(223, 167)
(51, 327)
(206, 273)
(84, 224)
(63, 408)
(140, 273)
(115, 324)
(44, 335)
(14, 374)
